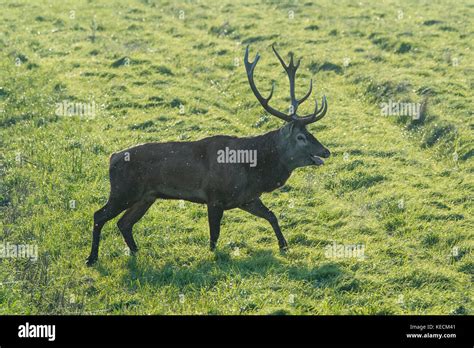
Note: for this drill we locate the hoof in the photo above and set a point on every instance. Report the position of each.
(284, 248)
(91, 261)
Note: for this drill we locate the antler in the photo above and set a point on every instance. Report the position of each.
(250, 67)
(295, 103)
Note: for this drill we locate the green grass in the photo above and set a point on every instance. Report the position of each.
(162, 71)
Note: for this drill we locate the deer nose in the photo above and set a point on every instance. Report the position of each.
(326, 153)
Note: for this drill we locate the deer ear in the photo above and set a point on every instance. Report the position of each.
(287, 130)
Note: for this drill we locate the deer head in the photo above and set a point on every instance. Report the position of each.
(297, 146)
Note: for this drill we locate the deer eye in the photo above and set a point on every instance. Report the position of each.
(300, 137)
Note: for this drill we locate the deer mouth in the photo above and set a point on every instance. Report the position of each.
(317, 160)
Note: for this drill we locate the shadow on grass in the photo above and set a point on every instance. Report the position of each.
(207, 273)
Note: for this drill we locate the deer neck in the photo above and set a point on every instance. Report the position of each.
(273, 170)
(281, 145)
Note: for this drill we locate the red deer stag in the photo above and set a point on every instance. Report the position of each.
(223, 172)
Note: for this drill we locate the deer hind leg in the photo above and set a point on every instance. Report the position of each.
(131, 216)
(110, 210)
(257, 208)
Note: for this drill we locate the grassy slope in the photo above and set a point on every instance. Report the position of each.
(197, 62)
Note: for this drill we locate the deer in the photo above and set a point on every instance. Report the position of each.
(191, 171)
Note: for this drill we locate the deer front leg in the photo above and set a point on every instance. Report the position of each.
(214, 215)
(257, 208)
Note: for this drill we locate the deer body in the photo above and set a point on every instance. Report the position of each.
(192, 171)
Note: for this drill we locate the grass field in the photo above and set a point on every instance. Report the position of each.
(399, 187)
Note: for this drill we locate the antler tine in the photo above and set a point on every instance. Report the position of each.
(318, 113)
(247, 62)
(291, 64)
(300, 101)
(298, 64)
(279, 58)
(291, 72)
(250, 67)
(324, 107)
